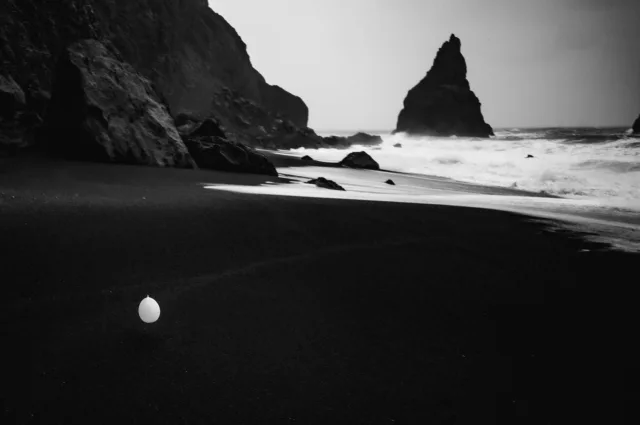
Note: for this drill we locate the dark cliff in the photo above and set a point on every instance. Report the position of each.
(102, 109)
(442, 103)
(191, 54)
(636, 126)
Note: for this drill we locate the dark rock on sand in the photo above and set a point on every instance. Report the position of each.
(216, 153)
(210, 148)
(306, 158)
(442, 103)
(397, 145)
(360, 160)
(103, 110)
(326, 184)
(391, 182)
(530, 156)
(636, 126)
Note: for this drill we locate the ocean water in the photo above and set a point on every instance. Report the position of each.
(576, 163)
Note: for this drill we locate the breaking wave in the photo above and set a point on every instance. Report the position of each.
(581, 163)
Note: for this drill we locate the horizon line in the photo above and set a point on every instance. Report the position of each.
(495, 128)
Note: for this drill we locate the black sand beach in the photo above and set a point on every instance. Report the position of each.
(449, 269)
(298, 310)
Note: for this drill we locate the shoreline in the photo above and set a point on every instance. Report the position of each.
(618, 226)
(101, 182)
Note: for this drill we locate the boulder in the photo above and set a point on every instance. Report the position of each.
(530, 156)
(326, 184)
(442, 103)
(391, 182)
(636, 126)
(219, 154)
(306, 158)
(103, 110)
(397, 145)
(360, 160)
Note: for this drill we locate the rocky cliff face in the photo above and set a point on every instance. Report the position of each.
(33, 33)
(192, 56)
(191, 53)
(12, 115)
(636, 126)
(102, 109)
(442, 104)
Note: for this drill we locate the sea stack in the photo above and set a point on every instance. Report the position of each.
(442, 104)
(636, 126)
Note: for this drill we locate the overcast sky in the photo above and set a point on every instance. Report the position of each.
(531, 62)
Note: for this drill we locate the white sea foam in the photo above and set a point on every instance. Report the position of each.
(605, 171)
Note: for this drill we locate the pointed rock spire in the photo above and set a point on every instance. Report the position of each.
(636, 126)
(442, 103)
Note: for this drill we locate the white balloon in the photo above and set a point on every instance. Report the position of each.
(149, 310)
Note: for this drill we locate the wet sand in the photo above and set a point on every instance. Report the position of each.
(288, 309)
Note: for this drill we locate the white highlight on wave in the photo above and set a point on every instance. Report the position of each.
(606, 171)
